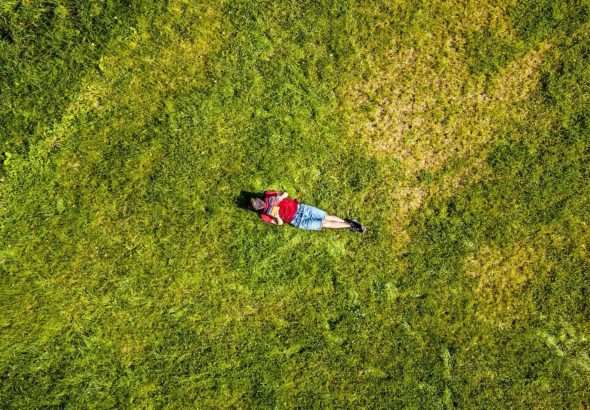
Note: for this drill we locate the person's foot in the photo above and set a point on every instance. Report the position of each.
(356, 226)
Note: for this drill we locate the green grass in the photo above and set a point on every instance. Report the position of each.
(457, 132)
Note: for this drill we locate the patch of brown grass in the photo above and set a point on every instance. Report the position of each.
(422, 106)
(431, 116)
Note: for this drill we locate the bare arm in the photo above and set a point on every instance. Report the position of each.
(274, 213)
(278, 218)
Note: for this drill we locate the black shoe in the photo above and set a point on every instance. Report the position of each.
(356, 226)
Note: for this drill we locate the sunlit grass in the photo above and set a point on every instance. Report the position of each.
(457, 132)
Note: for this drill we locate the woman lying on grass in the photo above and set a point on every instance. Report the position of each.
(277, 208)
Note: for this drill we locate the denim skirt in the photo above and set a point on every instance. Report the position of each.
(309, 218)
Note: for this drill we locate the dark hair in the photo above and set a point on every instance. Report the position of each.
(243, 200)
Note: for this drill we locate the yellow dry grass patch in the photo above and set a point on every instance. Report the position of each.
(431, 116)
(502, 275)
(422, 106)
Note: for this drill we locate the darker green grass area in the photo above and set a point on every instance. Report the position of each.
(489, 50)
(45, 50)
(538, 20)
(538, 195)
(129, 278)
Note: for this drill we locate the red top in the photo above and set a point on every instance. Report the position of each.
(287, 207)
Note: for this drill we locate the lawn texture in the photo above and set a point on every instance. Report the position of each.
(458, 132)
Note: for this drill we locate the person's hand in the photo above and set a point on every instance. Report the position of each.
(283, 196)
(277, 220)
(274, 212)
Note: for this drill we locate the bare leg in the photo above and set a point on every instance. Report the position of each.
(333, 218)
(333, 222)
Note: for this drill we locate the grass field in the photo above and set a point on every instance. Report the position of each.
(457, 131)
